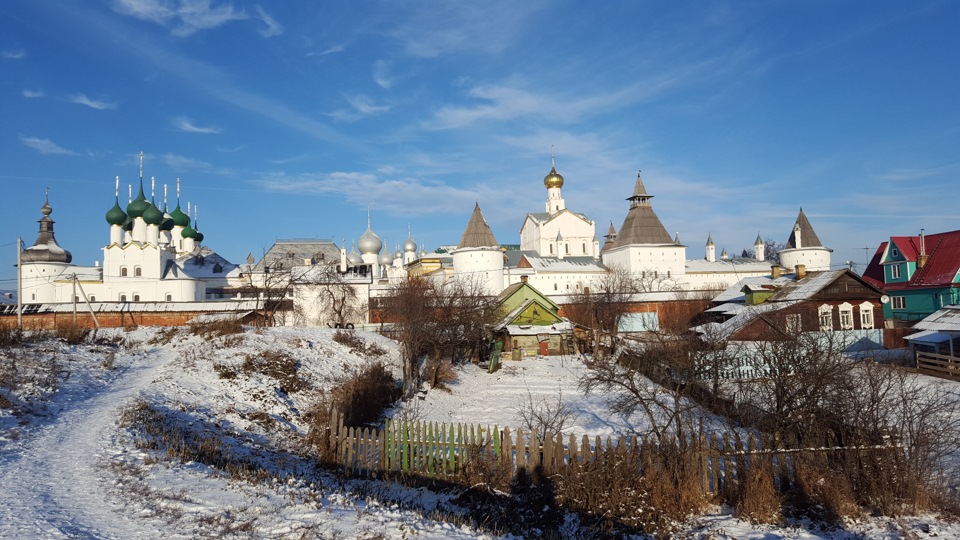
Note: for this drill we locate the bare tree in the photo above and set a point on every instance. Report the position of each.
(410, 308)
(329, 294)
(601, 308)
(544, 415)
(271, 290)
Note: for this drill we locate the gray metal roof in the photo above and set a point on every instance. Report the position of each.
(945, 319)
(293, 252)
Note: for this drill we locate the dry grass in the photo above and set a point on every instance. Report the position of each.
(357, 345)
(72, 334)
(758, 499)
(275, 364)
(213, 329)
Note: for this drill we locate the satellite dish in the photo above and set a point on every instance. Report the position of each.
(884, 299)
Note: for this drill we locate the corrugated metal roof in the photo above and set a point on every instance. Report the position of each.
(946, 318)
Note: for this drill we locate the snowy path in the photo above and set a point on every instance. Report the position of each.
(51, 481)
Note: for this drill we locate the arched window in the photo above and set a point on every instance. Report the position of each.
(123, 298)
(93, 298)
(136, 297)
(137, 272)
(566, 248)
(584, 248)
(169, 297)
(554, 286)
(551, 249)
(123, 271)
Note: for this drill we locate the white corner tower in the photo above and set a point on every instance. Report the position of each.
(804, 248)
(478, 256)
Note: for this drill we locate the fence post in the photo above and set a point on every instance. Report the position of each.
(522, 451)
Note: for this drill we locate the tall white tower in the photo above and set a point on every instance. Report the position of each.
(804, 247)
(478, 256)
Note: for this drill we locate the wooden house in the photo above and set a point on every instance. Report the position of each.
(531, 324)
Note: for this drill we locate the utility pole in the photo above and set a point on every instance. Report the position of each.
(76, 283)
(19, 286)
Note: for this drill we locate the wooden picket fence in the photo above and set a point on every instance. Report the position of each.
(440, 451)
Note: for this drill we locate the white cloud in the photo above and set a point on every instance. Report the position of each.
(186, 17)
(82, 99)
(186, 125)
(331, 50)
(900, 175)
(27, 93)
(381, 73)
(398, 196)
(360, 106)
(45, 146)
(273, 27)
(13, 55)
(181, 163)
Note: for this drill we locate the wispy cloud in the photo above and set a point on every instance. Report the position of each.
(27, 93)
(431, 29)
(13, 55)
(186, 125)
(82, 99)
(361, 106)
(181, 163)
(186, 17)
(914, 174)
(331, 50)
(45, 146)
(398, 196)
(381, 73)
(273, 27)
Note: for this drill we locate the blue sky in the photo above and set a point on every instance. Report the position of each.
(290, 119)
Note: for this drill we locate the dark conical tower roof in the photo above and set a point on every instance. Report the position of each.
(808, 237)
(641, 226)
(46, 249)
(477, 233)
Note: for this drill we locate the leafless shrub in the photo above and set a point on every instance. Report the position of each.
(357, 345)
(10, 335)
(72, 334)
(211, 329)
(544, 415)
(164, 335)
(758, 499)
(438, 372)
(823, 492)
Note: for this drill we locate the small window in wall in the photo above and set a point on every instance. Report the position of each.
(137, 272)
(136, 298)
(894, 252)
(895, 271)
(123, 298)
(584, 248)
(898, 302)
(794, 323)
(826, 317)
(846, 316)
(566, 248)
(123, 271)
(169, 298)
(551, 249)
(93, 298)
(554, 286)
(33, 296)
(866, 315)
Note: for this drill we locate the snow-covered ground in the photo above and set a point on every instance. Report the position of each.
(70, 469)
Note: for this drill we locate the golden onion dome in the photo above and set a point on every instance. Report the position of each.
(553, 180)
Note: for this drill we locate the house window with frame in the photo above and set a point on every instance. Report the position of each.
(826, 317)
(898, 302)
(866, 315)
(794, 323)
(846, 316)
(895, 271)
(894, 252)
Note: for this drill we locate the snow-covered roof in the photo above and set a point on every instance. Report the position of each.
(555, 264)
(734, 293)
(204, 265)
(727, 266)
(532, 330)
(747, 314)
(929, 336)
(805, 288)
(113, 307)
(945, 319)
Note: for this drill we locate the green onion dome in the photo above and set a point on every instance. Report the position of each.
(116, 215)
(167, 223)
(179, 218)
(198, 237)
(138, 206)
(188, 232)
(128, 224)
(152, 215)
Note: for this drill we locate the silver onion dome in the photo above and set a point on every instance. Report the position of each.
(369, 242)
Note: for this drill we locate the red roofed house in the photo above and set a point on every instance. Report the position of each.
(918, 274)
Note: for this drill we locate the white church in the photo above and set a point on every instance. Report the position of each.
(151, 255)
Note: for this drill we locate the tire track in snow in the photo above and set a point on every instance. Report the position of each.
(52, 481)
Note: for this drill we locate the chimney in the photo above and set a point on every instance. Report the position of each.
(923, 258)
(775, 271)
(800, 270)
(523, 279)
